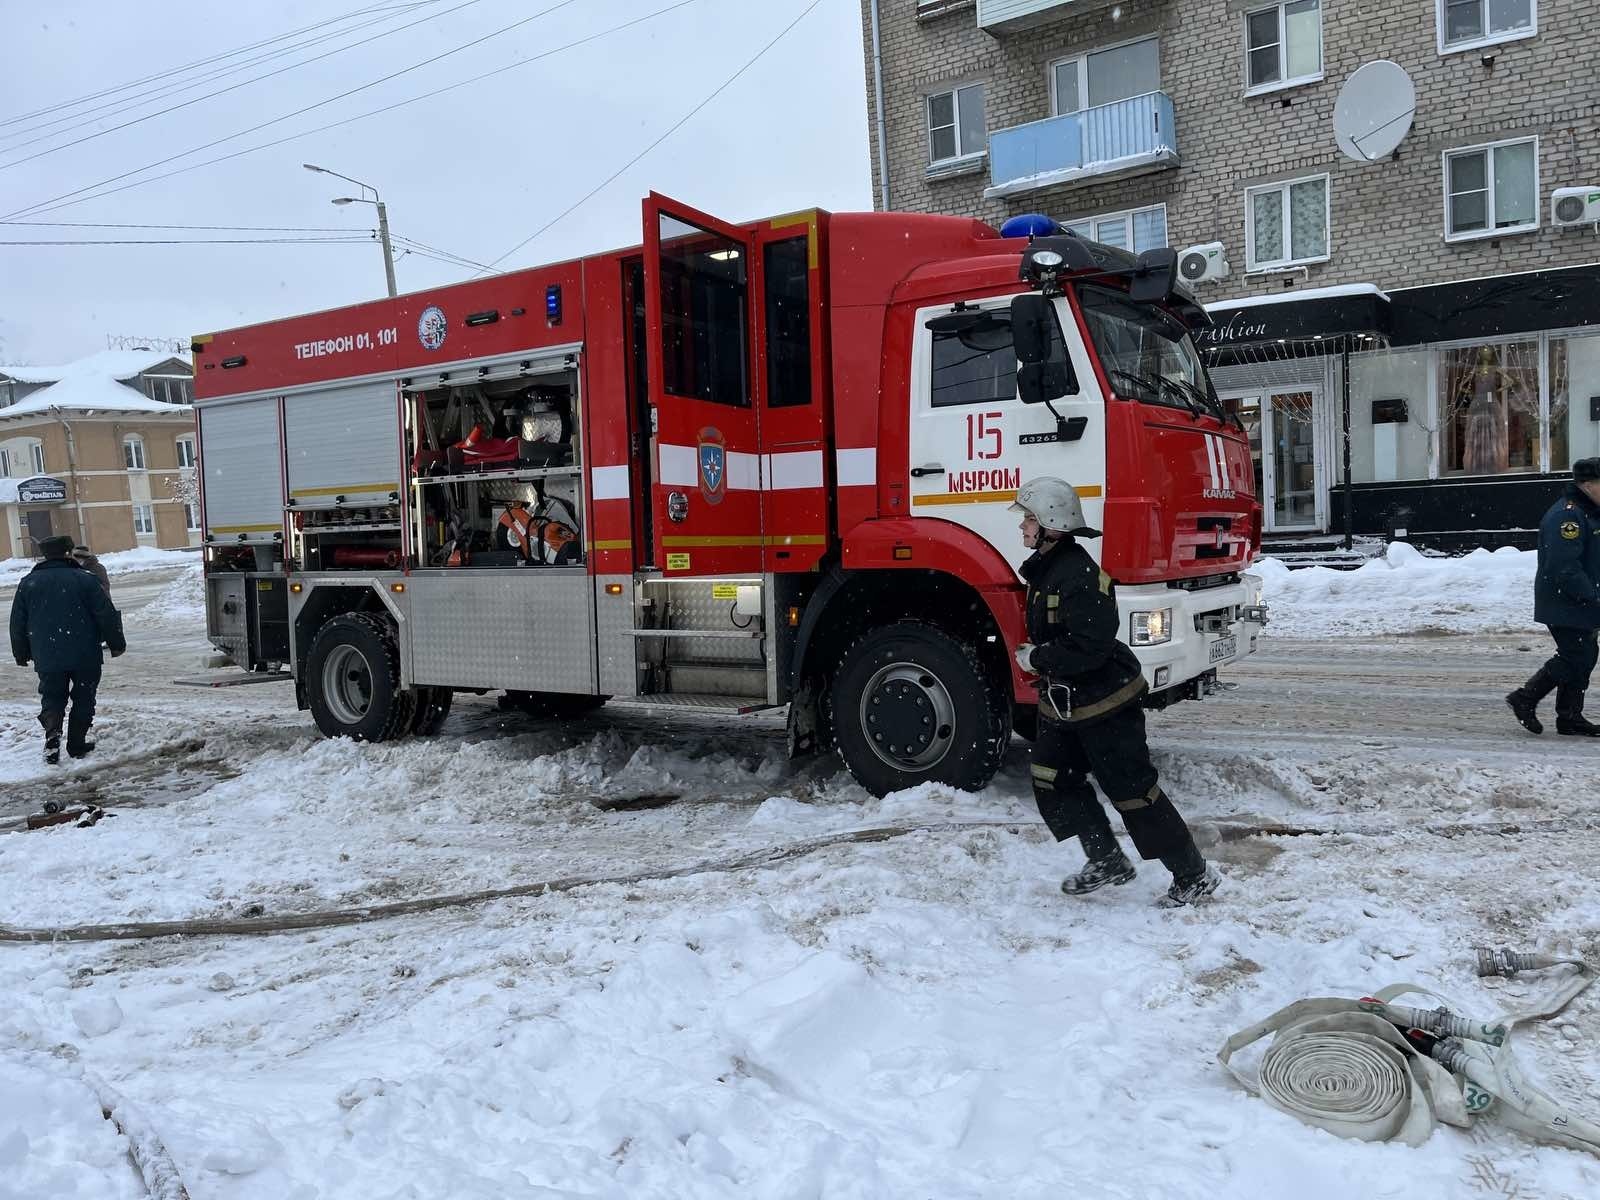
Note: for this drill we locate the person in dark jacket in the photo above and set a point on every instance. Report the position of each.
(1091, 719)
(59, 619)
(82, 556)
(1566, 599)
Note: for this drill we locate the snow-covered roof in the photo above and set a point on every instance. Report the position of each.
(1321, 293)
(92, 384)
(108, 364)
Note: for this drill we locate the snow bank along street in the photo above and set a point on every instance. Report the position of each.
(921, 1016)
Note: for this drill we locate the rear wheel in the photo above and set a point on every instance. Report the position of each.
(353, 680)
(911, 705)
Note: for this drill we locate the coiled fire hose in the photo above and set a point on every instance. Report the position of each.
(1374, 1070)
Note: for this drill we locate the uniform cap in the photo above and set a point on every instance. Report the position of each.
(58, 546)
(1586, 470)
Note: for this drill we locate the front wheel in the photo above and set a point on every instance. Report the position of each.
(353, 680)
(911, 705)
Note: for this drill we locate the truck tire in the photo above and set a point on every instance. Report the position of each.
(910, 704)
(353, 681)
(433, 706)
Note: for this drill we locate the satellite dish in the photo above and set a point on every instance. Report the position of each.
(1374, 111)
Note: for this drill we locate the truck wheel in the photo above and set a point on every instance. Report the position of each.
(353, 680)
(433, 706)
(911, 705)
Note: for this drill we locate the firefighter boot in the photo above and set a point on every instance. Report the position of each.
(1107, 864)
(78, 745)
(1569, 713)
(52, 737)
(1192, 877)
(1524, 702)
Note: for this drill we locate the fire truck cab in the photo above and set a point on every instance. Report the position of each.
(736, 467)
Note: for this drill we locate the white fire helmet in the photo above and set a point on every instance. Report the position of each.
(1054, 504)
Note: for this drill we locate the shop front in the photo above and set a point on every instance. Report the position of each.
(34, 508)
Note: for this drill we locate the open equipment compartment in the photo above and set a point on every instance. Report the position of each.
(494, 452)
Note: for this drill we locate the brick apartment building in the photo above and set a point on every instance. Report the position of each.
(1466, 311)
(96, 449)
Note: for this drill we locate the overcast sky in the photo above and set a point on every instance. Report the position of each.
(471, 172)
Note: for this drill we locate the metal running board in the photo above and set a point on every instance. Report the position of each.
(696, 633)
(737, 705)
(233, 680)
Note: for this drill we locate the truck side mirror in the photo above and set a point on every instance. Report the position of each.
(1156, 277)
(1043, 370)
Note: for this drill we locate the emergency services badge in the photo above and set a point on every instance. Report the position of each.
(432, 327)
(1570, 530)
(713, 458)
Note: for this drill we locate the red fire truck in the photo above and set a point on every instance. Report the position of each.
(737, 467)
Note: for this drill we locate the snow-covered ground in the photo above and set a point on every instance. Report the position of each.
(921, 1016)
(117, 562)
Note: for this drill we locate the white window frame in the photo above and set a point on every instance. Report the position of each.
(36, 452)
(1082, 59)
(1487, 149)
(1489, 39)
(186, 440)
(1288, 235)
(1262, 89)
(1127, 215)
(954, 92)
(147, 511)
(191, 517)
(142, 462)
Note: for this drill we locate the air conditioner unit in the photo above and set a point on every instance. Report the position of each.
(1575, 206)
(1203, 264)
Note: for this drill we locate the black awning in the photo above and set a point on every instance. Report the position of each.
(1301, 318)
(1497, 306)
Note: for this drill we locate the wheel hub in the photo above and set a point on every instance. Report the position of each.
(347, 680)
(908, 716)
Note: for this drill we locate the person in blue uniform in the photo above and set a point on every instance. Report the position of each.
(1566, 599)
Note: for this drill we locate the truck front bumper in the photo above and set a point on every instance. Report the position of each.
(1208, 628)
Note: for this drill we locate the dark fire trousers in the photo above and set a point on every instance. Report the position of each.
(56, 688)
(1576, 653)
(1115, 752)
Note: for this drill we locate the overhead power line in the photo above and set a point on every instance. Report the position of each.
(73, 198)
(17, 162)
(434, 251)
(42, 205)
(201, 62)
(681, 122)
(212, 228)
(302, 241)
(86, 117)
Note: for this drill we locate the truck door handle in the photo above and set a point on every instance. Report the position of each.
(930, 469)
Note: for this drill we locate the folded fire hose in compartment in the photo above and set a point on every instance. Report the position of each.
(1374, 1070)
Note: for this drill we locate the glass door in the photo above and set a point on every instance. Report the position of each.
(1294, 482)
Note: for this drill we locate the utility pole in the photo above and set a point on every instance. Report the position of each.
(383, 218)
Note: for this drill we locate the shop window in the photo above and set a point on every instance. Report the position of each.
(1574, 400)
(144, 520)
(1286, 224)
(1105, 76)
(1138, 229)
(185, 452)
(1468, 24)
(1391, 421)
(1491, 190)
(1283, 45)
(133, 452)
(704, 322)
(955, 124)
(1489, 409)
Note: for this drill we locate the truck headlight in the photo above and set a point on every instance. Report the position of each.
(1151, 628)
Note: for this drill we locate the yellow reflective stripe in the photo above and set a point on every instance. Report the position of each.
(346, 489)
(609, 544)
(1040, 771)
(1114, 701)
(1138, 802)
(1088, 492)
(244, 528)
(807, 218)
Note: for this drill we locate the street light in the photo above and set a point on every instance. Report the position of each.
(383, 217)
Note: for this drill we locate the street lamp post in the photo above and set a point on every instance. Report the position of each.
(383, 217)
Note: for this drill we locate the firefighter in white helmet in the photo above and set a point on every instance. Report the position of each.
(1091, 721)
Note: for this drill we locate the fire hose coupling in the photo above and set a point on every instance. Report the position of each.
(1440, 1022)
(1509, 962)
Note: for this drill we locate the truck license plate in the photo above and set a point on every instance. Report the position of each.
(1224, 647)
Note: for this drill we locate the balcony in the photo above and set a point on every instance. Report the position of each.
(999, 17)
(1130, 137)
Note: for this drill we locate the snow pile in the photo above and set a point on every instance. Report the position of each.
(181, 602)
(53, 1140)
(1403, 593)
(118, 562)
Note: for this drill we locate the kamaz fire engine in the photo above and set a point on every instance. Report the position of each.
(737, 467)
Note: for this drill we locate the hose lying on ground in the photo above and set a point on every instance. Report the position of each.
(1374, 1070)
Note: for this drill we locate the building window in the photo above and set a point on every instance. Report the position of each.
(1138, 229)
(1491, 190)
(1283, 45)
(1286, 224)
(1574, 381)
(133, 452)
(185, 452)
(1391, 415)
(36, 451)
(1105, 76)
(1468, 24)
(5, 464)
(191, 517)
(1489, 408)
(144, 519)
(955, 124)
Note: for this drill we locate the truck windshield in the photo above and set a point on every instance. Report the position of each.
(1146, 352)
